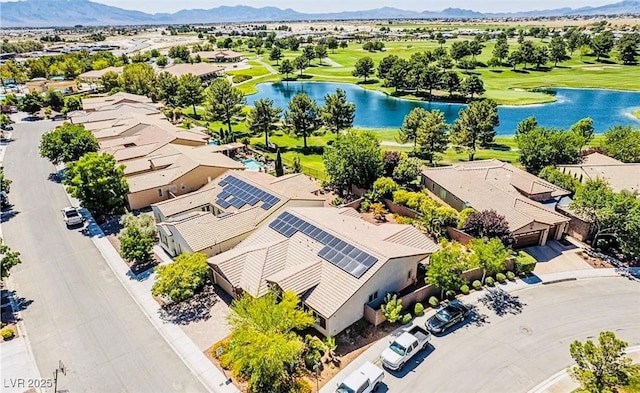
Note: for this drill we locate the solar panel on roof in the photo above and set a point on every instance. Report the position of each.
(222, 183)
(244, 193)
(222, 203)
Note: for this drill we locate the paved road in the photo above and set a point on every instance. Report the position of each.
(517, 352)
(78, 313)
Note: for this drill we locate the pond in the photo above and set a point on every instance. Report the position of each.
(377, 110)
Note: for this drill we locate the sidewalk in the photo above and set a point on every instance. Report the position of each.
(373, 353)
(139, 288)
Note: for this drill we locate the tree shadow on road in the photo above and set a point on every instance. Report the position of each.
(8, 213)
(502, 302)
(195, 309)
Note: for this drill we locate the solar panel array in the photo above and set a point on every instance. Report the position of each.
(238, 193)
(347, 257)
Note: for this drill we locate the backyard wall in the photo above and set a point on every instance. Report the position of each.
(459, 236)
(399, 209)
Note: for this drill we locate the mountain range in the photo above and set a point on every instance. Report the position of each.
(45, 13)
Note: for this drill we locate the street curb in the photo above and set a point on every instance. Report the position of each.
(560, 280)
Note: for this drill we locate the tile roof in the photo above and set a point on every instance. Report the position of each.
(492, 184)
(268, 256)
(96, 74)
(619, 175)
(197, 69)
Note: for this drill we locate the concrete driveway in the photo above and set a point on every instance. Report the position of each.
(516, 352)
(555, 258)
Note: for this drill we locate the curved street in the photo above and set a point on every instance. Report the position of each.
(76, 310)
(516, 352)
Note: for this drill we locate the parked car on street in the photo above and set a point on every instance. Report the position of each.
(447, 316)
(7, 128)
(364, 380)
(404, 347)
(72, 216)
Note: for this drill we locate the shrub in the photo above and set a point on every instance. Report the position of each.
(477, 285)
(525, 263)
(392, 307)
(402, 219)
(490, 281)
(501, 278)
(7, 333)
(406, 318)
(450, 294)
(464, 289)
(384, 187)
(337, 201)
(418, 310)
(241, 78)
(511, 276)
(301, 385)
(434, 302)
(365, 205)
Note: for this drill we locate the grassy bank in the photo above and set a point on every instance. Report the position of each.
(504, 85)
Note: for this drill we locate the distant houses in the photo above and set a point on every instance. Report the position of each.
(619, 175)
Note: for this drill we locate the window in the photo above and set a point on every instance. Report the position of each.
(373, 296)
(443, 194)
(160, 192)
(364, 387)
(409, 275)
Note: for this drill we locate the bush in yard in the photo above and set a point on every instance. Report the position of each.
(511, 276)
(501, 278)
(434, 302)
(301, 385)
(365, 206)
(7, 333)
(392, 308)
(477, 285)
(490, 281)
(451, 294)
(134, 246)
(241, 78)
(384, 187)
(464, 289)
(525, 263)
(181, 279)
(418, 310)
(406, 318)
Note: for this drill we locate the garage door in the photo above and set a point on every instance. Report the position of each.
(528, 239)
(552, 233)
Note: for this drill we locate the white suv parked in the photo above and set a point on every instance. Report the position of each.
(72, 216)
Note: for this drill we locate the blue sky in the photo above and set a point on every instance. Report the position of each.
(153, 6)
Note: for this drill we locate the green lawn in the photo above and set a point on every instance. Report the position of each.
(503, 84)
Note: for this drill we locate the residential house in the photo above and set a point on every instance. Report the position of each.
(333, 259)
(96, 103)
(221, 56)
(96, 75)
(205, 71)
(227, 210)
(619, 175)
(510, 191)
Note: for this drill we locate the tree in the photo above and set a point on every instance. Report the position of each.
(303, 116)
(472, 85)
(451, 82)
(134, 246)
(72, 104)
(385, 66)
(494, 62)
(344, 45)
(397, 76)
(54, 99)
(338, 114)
(180, 52)
(162, 61)
(70, 67)
(527, 50)
(286, 68)
(321, 52)
(584, 130)
(557, 50)
(515, 58)
(475, 47)
(410, 125)
(562, 180)
(67, 143)
(8, 259)
(364, 68)
(601, 44)
(190, 91)
(432, 78)
(446, 266)
(407, 171)
(279, 167)
(145, 223)
(526, 125)
(459, 50)
(181, 279)
(623, 143)
(392, 308)
(98, 183)
(263, 118)
(628, 48)
(223, 102)
(602, 367)
(540, 56)
(501, 49)
(332, 44)
(476, 125)
(31, 103)
(353, 159)
(110, 80)
(391, 159)
(264, 348)
(276, 54)
(433, 134)
(300, 63)
(138, 78)
(488, 224)
(542, 147)
(167, 87)
(309, 53)
(490, 255)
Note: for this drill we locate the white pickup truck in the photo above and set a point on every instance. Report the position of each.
(72, 216)
(364, 380)
(404, 347)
